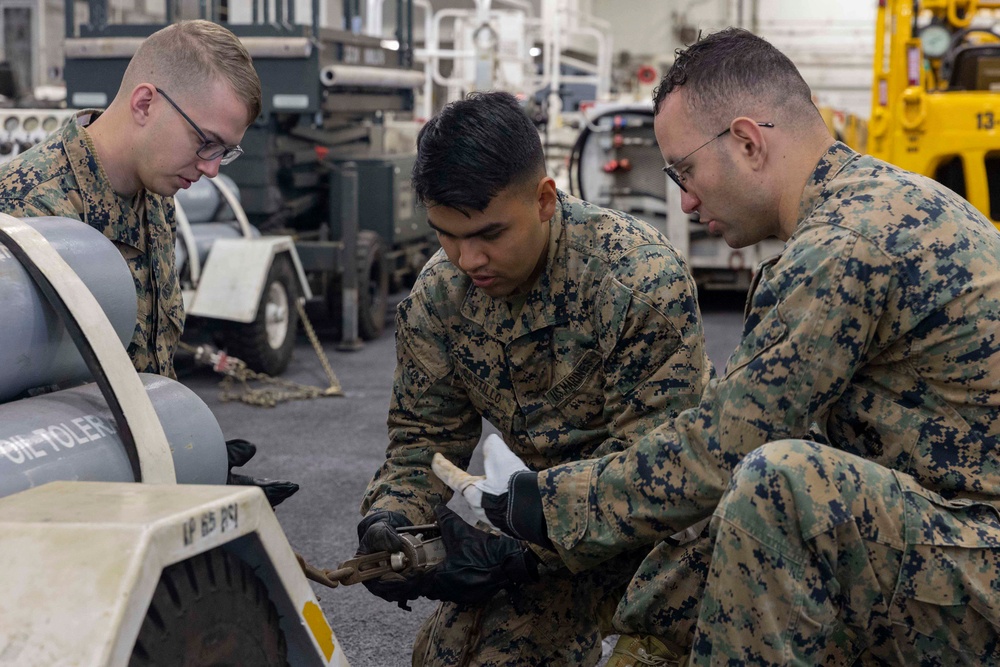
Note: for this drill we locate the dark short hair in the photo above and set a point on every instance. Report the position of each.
(474, 149)
(730, 70)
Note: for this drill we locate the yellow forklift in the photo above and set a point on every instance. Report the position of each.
(936, 94)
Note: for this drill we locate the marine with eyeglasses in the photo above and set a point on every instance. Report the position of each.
(185, 101)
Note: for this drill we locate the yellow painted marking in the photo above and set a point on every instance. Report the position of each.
(320, 628)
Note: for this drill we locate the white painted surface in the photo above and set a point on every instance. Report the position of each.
(232, 279)
(82, 560)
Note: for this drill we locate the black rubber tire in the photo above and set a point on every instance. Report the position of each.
(210, 611)
(250, 342)
(373, 288)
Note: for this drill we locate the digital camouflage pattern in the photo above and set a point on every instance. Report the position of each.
(559, 620)
(63, 176)
(877, 333)
(607, 346)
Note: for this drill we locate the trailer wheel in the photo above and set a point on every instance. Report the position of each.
(266, 344)
(373, 288)
(211, 611)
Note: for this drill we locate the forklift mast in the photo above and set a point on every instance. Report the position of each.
(936, 94)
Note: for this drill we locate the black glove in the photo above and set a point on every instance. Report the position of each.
(239, 453)
(377, 532)
(478, 564)
(519, 511)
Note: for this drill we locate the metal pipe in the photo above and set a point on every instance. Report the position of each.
(349, 236)
(373, 17)
(408, 52)
(430, 63)
(70, 16)
(523, 5)
(98, 10)
(369, 77)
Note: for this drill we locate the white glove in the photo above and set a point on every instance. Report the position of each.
(499, 462)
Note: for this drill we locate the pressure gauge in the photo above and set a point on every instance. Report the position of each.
(935, 40)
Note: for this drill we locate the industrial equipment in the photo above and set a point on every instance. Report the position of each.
(616, 163)
(101, 570)
(936, 94)
(23, 128)
(255, 316)
(423, 548)
(328, 160)
(243, 285)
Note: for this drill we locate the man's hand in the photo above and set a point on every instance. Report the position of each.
(478, 564)
(377, 532)
(507, 497)
(239, 452)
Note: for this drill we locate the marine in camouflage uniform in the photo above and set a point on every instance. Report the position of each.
(62, 176)
(607, 346)
(849, 453)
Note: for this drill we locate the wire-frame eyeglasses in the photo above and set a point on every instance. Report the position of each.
(209, 149)
(677, 177)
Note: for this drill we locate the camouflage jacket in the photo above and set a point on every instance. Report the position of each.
(608, 345)
(879, 323)
(62, 176)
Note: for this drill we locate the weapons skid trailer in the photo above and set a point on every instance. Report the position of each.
(328, 159)
(101, 571)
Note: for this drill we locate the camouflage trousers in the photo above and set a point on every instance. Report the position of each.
(824, 558)
(560, 620)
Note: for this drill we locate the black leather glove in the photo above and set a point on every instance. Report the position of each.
(519, 511)
(377, 532)
(478, 564)
(239, 453)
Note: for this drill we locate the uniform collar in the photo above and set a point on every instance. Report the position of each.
(102, 207)
(546, 303)
(832, 163)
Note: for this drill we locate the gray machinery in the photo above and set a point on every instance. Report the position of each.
(328, 160)
(100, 570)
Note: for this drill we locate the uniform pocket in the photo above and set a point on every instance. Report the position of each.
(763, 327)
(946, 609)
(579, 396)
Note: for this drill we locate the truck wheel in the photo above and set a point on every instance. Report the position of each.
(267, 343)
(211, 611)
(373, 288)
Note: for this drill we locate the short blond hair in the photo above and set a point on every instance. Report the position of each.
(186, 55)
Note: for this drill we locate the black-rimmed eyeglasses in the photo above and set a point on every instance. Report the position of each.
(209, 150)
(676, 176)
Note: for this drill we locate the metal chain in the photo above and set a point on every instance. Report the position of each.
(235, 385)
(314, 339)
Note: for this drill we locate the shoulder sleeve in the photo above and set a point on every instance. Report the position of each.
(652, 341)
(428, 413)
(811, 321)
